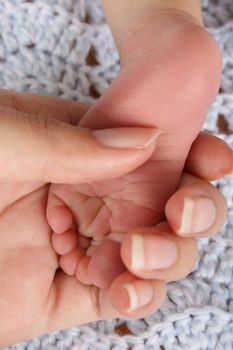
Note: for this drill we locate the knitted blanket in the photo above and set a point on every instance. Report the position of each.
(64, 48)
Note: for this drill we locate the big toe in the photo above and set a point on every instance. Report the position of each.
(106, 263)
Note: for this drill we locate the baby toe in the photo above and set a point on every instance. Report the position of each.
(58, 215)
(106, 263)
(69, 262)
(65, 242)
(81, 271)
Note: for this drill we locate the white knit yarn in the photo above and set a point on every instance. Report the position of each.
(43, 48)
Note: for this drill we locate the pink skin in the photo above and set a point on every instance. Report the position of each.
(43, 298)
(168, 82)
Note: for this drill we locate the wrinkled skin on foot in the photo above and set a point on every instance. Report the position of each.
(170, 74)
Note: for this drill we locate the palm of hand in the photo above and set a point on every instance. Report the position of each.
(35, 297)
(28, 262)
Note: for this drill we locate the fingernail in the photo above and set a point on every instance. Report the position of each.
(152, 252)
(198, 215)
(127, 137)
(140, 293)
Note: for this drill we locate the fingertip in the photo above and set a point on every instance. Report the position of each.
(197, 209)
(148, 250)
(198, 215)
(190, 214)
(210, 158)
(167, 255)
(138, 297)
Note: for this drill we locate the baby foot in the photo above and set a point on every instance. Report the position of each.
(169, 77)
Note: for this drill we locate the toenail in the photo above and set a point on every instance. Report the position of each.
(198, 215)
(140, 293)
(152, 252)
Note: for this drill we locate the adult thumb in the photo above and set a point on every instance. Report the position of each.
(34, 148)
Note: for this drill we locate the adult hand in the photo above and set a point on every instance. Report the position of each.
(35, 297)
(37, 148)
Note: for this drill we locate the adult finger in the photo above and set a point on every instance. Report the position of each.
(196, 209)
(210, 158)
(35, 148)
(168, 251)
(158, 253)
(49, 106)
